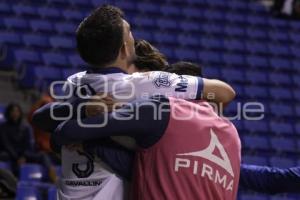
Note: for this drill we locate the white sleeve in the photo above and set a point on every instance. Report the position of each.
(168, 84)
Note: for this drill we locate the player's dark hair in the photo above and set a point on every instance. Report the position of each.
(100, 36)
(185, 68)
(148, 57)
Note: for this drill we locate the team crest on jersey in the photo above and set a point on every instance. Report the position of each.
(162, 80)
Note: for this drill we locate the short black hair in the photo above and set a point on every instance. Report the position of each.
(100, 36)
(185, 68)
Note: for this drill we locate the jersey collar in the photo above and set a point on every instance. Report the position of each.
(106, 70)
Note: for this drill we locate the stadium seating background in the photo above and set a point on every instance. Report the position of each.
(235, 40)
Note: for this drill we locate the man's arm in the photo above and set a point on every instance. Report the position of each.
(181, 86)
(141, 120)
(270, 179)
(42, 118)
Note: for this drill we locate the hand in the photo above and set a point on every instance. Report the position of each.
(100, 105)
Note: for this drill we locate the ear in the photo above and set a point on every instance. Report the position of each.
(124, 51)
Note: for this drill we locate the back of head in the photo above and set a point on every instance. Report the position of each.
(100, 36)
(185, 68)
(148, 57)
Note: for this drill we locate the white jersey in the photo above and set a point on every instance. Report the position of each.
(86, 177)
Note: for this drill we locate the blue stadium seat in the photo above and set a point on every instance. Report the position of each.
(211, 28)
(24, 10)
(170, 10)
(256, 77)
(235, 17)
(256, 47)
(255, 160)
(144, 21)
(278, 23)
(5, 8)
(278, 36)
(8, 37)
(126, 5)
(26, 192)
(52, 193)
(296, 92)
(233, 31)
(296, 65)
(165, 23)
(189, 26)
(41, 25)
(281, 110)
(282, 162)
(256, 92)
(211, 43)
(188, 40)
(62, 42)
(191, 12)
(65, 28)
(28, 56)
(281, 128)
(148, 7)
(232, 74)
(237, 5)
(235, 45)
(76, 61)
(185, 54)
(233, 59)
(255, 33)
(47, 73)
(35, 40)
(213, 15)
(211, 72)
(16, 23)
(297, 110)
(257, 7)
(67, 72)
(253, 196)
(257, 61)
(256, 126)
(279, 50)
(280, 63)
(280, 78)
(294, 25)
(196, 2)
(255, 141)
(216, 3)
(32, 172)
(295, 51)
(281, 93)
(210, 57)
(297, 129)
(296, 79)
(143, 34)
(257, 20)
(280, 144)
(163, 37)
(81, 3)
(75, 15)
(294, 37)
(51, 58)
(49, 12)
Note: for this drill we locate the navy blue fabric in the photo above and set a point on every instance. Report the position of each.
(106, 70)
(270, 179)
(146, 129)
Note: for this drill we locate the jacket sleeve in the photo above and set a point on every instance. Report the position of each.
(270, 180)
